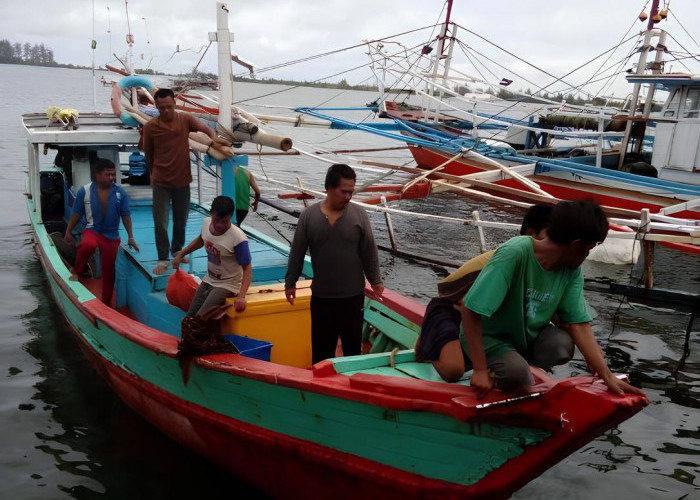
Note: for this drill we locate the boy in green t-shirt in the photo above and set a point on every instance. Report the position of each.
(508, 309)
(440, 337)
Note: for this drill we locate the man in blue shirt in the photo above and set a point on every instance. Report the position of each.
(101, 204)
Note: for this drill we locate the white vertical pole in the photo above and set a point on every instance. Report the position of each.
(389, 225)
(641, 65)
(480, 231)
(223, 39)
(599, 147)
(94, 46)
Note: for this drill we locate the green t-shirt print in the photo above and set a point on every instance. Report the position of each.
(516, 297)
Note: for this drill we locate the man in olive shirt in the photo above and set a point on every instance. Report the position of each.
(339, 238)
(167, 150)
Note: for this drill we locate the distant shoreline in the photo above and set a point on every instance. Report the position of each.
(343, 85)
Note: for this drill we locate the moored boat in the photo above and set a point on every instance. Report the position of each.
(376, 426)
(631, 176)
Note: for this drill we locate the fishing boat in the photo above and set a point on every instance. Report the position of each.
(665, 176)
(371, 426)
(627, 178)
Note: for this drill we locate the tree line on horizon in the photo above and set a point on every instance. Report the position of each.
(41, 55)
(342, 84)
(18, 53)
(577, 100)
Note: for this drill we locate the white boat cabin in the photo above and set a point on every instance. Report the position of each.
(676, 153)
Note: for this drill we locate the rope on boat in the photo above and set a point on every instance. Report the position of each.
(557, 79)
(392, 357)
(692, 238)
(326, 160)
(194, 70)
(492, 118)
(332, 52)
(375, 208)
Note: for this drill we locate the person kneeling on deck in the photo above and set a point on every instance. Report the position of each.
(439, 340)
(506, 313)
(101, 203)
(229, 270)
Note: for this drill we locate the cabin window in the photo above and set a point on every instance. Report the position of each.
(673, 103)
(692, 104)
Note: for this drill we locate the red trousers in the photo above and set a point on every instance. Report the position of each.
(108, 256)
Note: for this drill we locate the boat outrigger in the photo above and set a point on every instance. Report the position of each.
(626, 178)
(370, 426)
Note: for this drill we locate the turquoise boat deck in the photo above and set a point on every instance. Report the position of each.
(140, 293)
(269, 262)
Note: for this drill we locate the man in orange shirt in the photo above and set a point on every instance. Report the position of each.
(165, 143)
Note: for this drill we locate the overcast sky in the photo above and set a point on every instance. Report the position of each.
(556, 36)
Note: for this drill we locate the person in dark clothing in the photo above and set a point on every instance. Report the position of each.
(339, 238)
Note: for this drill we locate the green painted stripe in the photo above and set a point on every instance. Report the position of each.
(369, 361)
(379, 434)
(80, 292)
(415, 370)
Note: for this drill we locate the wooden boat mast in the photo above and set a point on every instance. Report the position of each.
(641, 67)
(440, 55)
(223, 39)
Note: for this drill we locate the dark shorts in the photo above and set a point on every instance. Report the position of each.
(240, 216)
(441, 324)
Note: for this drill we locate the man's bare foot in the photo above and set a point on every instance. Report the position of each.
(161, 267)
(73, 277)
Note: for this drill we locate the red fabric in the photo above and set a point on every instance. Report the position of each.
(108, 255)
(181, 289)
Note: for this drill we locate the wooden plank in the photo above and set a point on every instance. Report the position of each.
(392, 329)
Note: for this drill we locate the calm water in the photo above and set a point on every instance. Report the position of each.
(64, 435)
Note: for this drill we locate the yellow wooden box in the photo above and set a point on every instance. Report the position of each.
(269, 317)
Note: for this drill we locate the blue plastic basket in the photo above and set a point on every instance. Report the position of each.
(251, 348)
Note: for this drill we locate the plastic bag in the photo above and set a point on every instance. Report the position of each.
(180, 289)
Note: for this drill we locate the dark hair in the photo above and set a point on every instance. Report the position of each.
(223, 206)
(103, 164)
(162, 93)
(336, 172)
(536, 218)
(577, 220)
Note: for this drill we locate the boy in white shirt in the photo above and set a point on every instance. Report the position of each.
(229, 270)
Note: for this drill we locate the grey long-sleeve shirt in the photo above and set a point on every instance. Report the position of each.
(341, 255)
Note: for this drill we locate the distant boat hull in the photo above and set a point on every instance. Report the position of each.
(607, 187)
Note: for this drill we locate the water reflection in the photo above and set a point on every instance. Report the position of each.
(94, 446)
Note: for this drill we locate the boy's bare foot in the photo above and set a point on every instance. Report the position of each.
(184, 260)
(161, 267)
